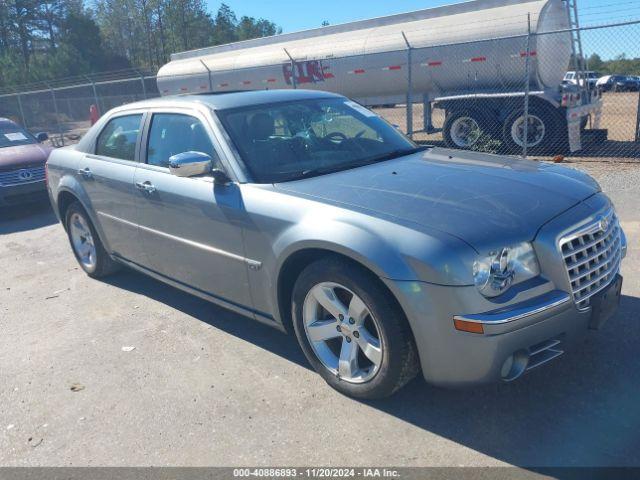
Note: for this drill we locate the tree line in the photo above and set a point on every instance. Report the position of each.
(43, 40)
(621, 65)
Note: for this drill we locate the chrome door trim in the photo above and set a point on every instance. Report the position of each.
(252, 264)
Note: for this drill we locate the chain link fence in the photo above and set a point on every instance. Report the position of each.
(604, 109)
(66, 109)
(483, 95)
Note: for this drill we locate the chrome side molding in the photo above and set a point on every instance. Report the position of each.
(519, 311)
(252, 264)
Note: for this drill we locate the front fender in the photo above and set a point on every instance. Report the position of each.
(388, 250)
(361, 245)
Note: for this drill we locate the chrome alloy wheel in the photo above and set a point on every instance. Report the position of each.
(465, 132)
(82, 241)
(535, 131)
(343, 333)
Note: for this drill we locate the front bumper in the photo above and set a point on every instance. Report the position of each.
(538, 317)
(529, 333)
(28, 192)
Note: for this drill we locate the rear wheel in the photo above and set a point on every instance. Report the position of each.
(86, 244)
(352, 333)
(465, 128)
(544, 131)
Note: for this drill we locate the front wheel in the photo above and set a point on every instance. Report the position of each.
(351, 331)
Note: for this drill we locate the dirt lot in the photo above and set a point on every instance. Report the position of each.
(203, 386)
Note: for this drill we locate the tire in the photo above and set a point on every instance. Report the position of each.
(483, 122)
(380, 323)
(97, 263)
(547, 124)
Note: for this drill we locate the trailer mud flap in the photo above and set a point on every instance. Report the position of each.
(574, 119)
(575, 139)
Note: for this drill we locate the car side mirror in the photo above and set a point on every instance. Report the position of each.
(190, 164)
(220, 177)
(42, 137)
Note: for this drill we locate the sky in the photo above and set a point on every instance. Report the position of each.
(301, 15)
(294, 15)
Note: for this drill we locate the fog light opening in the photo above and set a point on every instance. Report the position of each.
(514, 365)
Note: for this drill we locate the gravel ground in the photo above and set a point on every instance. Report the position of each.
(203, 386)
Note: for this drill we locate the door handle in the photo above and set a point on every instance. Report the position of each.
(146, 186)
(85, 172)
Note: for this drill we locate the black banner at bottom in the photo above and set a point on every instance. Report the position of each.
(286, 473)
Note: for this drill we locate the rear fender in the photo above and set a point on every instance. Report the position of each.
(70, 184)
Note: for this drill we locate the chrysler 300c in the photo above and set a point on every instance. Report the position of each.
(308, 212)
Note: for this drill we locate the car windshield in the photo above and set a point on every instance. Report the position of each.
(12, 135)
(291, 140)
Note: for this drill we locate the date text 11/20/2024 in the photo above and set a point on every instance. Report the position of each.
(320, 472)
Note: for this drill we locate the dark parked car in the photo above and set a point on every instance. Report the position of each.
(22, 160)
(634, 80)
(617, 83)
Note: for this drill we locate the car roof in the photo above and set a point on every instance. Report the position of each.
(221, 101)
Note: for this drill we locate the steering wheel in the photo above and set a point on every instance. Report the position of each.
(336, 137)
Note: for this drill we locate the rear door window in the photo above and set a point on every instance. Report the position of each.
(119, 137)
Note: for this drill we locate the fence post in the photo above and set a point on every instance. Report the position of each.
(409, 88)
(144, 87)
(427, 113)
(293, 69)
(95, 92)
(525, 132)
(24, 121)
(55, 109)
(208, 75)
(637, 138)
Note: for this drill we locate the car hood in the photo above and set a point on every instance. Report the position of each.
(23, 156)
(482, 199)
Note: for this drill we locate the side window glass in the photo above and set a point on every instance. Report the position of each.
(119, 136)
(172, 133)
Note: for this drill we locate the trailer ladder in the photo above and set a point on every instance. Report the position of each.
(579, 62)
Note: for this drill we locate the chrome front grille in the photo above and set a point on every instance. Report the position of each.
(592, 255)
(21, 175)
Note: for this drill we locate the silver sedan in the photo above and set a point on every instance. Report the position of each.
(308, 212)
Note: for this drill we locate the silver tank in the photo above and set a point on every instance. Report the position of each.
(477, 46)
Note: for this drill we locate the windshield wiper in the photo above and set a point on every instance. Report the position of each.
(314, 172)
(394, 154)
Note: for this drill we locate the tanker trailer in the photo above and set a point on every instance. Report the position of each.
(471, 59)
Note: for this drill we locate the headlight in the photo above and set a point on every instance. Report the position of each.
(495, 273)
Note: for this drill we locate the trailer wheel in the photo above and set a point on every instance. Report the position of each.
(544, 131)
(464, 128)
